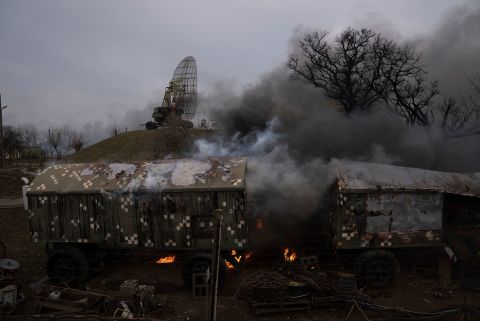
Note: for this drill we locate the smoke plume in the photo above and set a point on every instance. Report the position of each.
(290, 130)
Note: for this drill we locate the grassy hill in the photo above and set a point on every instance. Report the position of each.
(141, 145)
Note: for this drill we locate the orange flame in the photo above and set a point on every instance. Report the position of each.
(166, 259)
(248, 255)
(258, 223)
(234, 255)
(289, 255)
(229, 265)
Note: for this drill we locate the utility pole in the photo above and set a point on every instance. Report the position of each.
(2, 142)
(215, 265)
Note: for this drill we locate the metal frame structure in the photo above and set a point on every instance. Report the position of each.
(181, 94)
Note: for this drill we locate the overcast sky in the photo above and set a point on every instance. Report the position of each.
(73, 62)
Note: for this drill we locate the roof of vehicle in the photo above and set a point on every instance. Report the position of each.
(167, 175)
(354, 175)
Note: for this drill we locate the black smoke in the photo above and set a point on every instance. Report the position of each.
(312, 126)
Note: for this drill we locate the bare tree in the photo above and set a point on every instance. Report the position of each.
(30, 135)
(463, 119)
(407, 92)
(76, 140)
(114, 131)
(55, 139)
(360, 68)
(474, 81)
(474, 99)
(345, 70)
(12, 141)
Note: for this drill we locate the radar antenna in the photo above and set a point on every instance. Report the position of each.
(179, 103)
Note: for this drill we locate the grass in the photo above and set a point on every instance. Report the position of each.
(141, 145)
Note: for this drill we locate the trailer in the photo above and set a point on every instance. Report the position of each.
(84, 211)
(378, 210)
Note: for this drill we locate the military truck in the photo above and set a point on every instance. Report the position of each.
(84, 211)
(376, 211)
(379, 210)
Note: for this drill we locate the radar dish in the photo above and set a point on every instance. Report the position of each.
(184, 88)
(180, 100)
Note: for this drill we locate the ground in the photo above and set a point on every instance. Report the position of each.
(413, 291)
(142, 145)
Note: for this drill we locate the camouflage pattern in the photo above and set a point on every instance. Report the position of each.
(166, 204)
(388, 219)
(386, 206)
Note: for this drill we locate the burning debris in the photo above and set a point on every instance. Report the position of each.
(289, 255)
(229, 265)
(166, 259)
(234, 255)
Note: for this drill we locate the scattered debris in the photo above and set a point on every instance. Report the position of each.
(346, 280)
(129, 287)
(59, 300)
(123, 311)
(8, 299)
(8, 267)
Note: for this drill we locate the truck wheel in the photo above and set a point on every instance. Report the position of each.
(67, 264)
(200, 264)
(377, 269)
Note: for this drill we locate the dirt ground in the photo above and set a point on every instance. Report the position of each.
(413, 291)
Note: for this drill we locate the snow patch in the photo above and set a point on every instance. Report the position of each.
(87, 172)
(158, 174)
(187, 172)
(118, 168)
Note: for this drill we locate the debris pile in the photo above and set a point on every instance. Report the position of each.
(294, 287)
(134, 302)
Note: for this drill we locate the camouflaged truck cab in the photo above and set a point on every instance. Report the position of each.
(378, 210)
(80, 210)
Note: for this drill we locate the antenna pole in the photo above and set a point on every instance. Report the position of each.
(215, 265)
(2, 141)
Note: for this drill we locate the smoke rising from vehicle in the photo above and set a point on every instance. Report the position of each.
(290, 130)
(312, 126)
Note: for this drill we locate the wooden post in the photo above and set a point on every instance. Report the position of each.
(215, 265)
(1, 133)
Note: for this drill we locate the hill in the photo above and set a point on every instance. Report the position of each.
(142, 145)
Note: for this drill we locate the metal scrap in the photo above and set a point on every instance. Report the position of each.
(59, 300)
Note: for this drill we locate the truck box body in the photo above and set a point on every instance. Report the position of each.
(167, 204)
(386, 206)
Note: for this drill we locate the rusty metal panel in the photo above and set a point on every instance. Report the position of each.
(403, 212)
(378, 219)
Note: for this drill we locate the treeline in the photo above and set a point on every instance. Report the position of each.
(362, 70)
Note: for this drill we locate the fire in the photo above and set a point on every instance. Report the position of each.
(229, 265)
(234, 255)
(248, 255)
(289, 255)
(166, 259)
(258, 223)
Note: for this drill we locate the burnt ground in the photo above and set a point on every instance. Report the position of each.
(417, 289)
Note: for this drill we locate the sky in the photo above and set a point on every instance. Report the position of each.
(83, 62)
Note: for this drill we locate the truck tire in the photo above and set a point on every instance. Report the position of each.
(67, 264)
(200, 263)
(377, 269)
